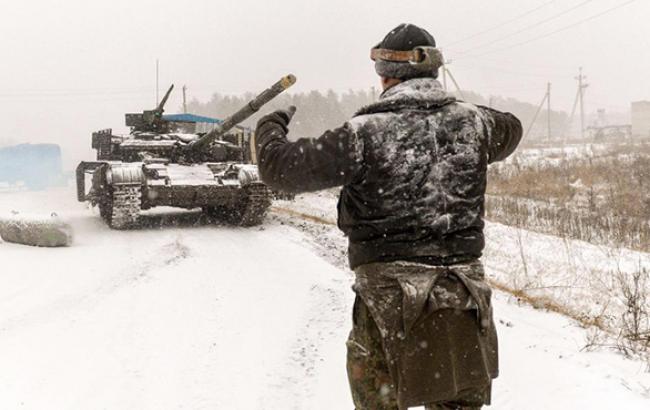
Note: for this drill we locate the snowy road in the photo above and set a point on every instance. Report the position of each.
(212, 317)
(196, 318)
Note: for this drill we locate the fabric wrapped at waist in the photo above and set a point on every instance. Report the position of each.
(436, 325)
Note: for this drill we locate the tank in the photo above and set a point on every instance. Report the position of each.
(170, 161)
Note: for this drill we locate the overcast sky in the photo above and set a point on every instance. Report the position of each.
(74, 66)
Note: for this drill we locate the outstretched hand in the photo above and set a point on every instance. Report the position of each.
(279, 117)
(287, 114)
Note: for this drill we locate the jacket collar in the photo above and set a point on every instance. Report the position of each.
(418, 93)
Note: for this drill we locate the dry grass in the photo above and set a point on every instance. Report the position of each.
(547, 303)
(602, 199)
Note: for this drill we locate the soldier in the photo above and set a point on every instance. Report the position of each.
(413, 169)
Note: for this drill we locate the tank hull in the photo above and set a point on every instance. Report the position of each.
(122, 189)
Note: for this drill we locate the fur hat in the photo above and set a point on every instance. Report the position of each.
(405, 37)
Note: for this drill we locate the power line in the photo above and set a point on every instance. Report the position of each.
(539, 23)
(593, 17)
(71, 93)
(73, 90)
(520, 16)
(519, 64)
(483, 67)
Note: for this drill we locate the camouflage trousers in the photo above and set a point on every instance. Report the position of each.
(372, 382)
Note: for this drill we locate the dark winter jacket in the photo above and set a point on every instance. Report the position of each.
(413, 168)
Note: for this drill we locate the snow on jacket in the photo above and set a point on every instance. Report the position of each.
(413, 168)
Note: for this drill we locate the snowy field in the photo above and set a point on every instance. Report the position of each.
(555, 155)
(212, 317)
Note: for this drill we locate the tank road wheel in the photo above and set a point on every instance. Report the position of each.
(218, 213)
(249, 211)
(253, 206)
(121, 207)
(283, 196)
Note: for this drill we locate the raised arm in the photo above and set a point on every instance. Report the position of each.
(331, 160)
(504, 131)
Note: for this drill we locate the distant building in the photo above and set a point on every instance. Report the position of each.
(198, 124)
(641, 119)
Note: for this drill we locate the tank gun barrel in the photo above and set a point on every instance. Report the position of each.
(161, 106)
(249, 109)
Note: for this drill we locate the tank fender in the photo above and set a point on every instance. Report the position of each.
(247, 173)
(125, 174)
(156, 171)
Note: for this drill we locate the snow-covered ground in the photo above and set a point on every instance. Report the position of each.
(555, 155)
(579, 276)
(212, 317)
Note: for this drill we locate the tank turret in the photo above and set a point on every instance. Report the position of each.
(150, 120)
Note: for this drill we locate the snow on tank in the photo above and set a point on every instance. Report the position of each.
(182, 160)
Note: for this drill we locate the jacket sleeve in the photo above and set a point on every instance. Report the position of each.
(333, 159)
(504, 133)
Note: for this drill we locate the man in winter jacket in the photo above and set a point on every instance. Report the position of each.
(413, 170)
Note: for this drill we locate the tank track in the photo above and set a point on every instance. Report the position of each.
(257, 202)
(125, 206)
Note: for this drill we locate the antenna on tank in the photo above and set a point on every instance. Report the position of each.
(157, 80)
(184, 99)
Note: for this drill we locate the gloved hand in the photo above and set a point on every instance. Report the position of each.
(279, 117)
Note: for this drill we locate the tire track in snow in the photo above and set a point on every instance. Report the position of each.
(168, 254)
(295, 387)
(323, 319)
(172, 253)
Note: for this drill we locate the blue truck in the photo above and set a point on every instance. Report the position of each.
(37, 166)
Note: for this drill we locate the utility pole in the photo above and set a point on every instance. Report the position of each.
(453, 80)
(548, 108)
(547, 100)
(572, 116)
(444, 71)
(373, 90)
(444, 76)
(184, 100)
(581, 94)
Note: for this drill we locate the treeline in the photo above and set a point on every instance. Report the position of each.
(318, 111)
